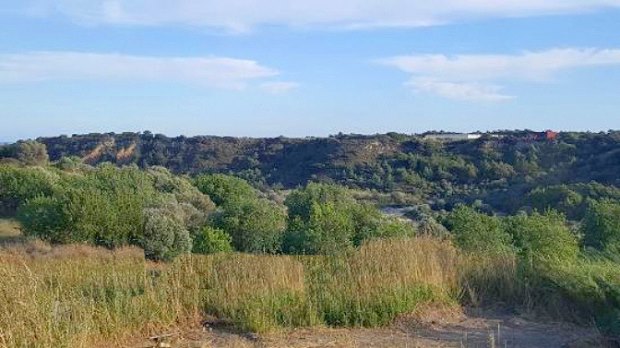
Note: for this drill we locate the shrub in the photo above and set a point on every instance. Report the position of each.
(601, 226)
(326, 218)
(224, 188)
(18, 184)
(32, 152)
(107, 204)
(327, 229)
(255, 225)
(212, 240)
(543, 237)
(164, 237)
(46, 218)
(474, 231)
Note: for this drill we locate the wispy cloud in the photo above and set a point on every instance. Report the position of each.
(279, 87)
(459, 90)
(210, 71)
(475, 77)
(242, 15)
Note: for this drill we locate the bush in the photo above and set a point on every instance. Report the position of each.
(327, 229)
(32, 152)
(255, 225)
(47, 219)
(224, 188)
(107, 204)
(543, 237)
(212, 240)
(477, 232)
(325, 218)
(601, 226)
(164, 237)
(17, 185)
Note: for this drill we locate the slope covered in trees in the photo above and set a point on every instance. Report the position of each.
(507, 172)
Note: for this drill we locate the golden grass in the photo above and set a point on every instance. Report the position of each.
(76, 296)
(9, 228)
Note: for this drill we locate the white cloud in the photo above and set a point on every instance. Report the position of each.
(279, 87)
(242, 15)
(211, 71)
(468, 77)
(459, 90)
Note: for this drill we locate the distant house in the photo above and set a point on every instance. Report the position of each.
(550, 135)
(453, 136)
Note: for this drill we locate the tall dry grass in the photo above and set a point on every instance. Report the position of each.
(75, 301)
(82, 295)
(381, 280)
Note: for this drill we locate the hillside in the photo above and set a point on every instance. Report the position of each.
(498, 171)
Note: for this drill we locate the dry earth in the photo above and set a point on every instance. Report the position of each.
(433, 329)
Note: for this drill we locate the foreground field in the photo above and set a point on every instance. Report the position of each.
(79, 296)
(76, 296)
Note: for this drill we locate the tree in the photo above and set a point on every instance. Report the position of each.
(542, 237)
(32, 152)
(224, 188)
(212, 240)
(19, 184)
(477, 232)
(601, 226)
(46, 218)
(255, 225)
(164, 237)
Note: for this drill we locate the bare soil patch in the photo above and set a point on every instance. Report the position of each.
(425, 329)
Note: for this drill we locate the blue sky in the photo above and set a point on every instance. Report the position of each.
(261, 68)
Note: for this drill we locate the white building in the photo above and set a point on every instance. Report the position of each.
(453, 136)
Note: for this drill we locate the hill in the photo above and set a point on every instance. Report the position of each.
(498, 169)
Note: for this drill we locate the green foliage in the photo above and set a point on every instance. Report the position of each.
(560, 197)
(327, 229)
(543, 237)
(70, 163)
(477, 232)
(326, 218)
(107, 204)
(212, 240)
(104, 205)
(46, 218)
(255, 225)
(164, 237)
(224, 188)
(18, 184)
(601, 226)
(32, 153)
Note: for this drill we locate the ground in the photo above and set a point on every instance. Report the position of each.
(434, 329)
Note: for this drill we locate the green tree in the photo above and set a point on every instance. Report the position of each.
(164, 237)
(46, 218)
(543, 236)
(477, 232)
(19, 184)
(601, 226)
(255, 225)
(224, 188)
(212, 240)
(32, 152)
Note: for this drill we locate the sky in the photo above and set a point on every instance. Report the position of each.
(307, 68)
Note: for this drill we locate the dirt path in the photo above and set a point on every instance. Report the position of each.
(458, 330)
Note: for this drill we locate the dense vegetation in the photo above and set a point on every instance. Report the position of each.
(532, 225)
(168, 215)
(506, 174)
